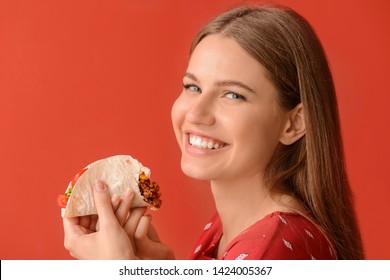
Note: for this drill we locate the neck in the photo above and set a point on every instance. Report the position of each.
(240, 204)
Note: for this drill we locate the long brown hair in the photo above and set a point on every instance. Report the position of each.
(313, 168)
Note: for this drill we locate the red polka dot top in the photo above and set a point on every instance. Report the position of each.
(277, 236)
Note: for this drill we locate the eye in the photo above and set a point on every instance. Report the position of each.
(233, 95)
(192, 87)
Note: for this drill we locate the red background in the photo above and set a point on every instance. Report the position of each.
(84, 79)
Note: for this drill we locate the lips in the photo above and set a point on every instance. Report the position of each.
(205, 143)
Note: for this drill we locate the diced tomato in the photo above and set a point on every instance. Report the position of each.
(78, 176)
(62, 200)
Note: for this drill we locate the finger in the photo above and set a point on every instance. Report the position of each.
(152, 233)
(85, 221)
(97, 225)
(143, 227)
(103, 205)
(145, 244)
(74, 240)
(93, 223)
(124, 208)
(115, 201)
(69, 223)
(72, 227)
(132, 222)
(70, 230)
(146, 229)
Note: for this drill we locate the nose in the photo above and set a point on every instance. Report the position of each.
(201, 111)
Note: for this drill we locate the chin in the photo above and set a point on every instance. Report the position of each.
(195, 172)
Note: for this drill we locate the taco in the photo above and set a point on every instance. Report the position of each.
(118, 173)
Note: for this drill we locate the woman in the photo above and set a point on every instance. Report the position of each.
(257, 118)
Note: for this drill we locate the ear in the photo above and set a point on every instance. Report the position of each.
(295, 126)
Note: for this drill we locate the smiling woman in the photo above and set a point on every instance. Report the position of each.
(258, 119)
(284, 152)
(282, 136)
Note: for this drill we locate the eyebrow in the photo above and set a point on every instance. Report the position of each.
(191, 76)
(223, 82)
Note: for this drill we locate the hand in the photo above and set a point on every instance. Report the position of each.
(147, 242)
(86, 240)
(144, 237)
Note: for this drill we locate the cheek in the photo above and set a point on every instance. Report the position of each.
(177, 115)
(256, 132)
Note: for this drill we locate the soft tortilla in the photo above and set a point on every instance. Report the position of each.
(117, 172)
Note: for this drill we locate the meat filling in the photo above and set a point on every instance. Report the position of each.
(150, 191)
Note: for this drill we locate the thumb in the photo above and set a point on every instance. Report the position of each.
(103, 204)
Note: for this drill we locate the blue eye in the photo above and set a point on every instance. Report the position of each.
(192, 87)
(233, 95)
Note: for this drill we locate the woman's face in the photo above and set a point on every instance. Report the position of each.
(227, 120)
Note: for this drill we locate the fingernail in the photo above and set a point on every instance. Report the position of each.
(99, 186)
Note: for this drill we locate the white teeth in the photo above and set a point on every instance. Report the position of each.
(204, 143)
(198, 141)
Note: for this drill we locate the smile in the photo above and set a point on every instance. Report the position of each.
(205, 143)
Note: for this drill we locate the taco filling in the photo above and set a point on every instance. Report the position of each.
(150, 191)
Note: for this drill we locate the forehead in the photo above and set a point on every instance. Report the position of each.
(219, 57)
